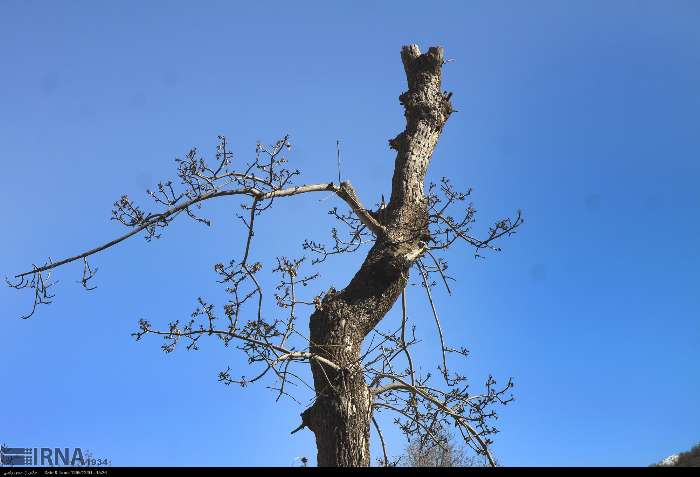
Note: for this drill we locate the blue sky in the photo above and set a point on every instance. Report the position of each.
(584, 115)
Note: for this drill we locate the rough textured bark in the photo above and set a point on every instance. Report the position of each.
(341, 415)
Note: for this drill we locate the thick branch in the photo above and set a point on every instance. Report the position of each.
(345, 191)
(426, 109)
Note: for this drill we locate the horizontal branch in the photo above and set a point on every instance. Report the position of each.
(285, 356)
(345, 191)
(504, 227)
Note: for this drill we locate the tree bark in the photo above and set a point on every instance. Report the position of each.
(340, 417)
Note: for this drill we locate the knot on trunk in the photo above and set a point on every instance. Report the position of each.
(399, 141)
(424, 101)
(426, 104)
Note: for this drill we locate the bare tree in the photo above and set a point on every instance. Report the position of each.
(357, 368)
(444, 451)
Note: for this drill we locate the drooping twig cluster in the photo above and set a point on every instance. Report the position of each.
(40, 282)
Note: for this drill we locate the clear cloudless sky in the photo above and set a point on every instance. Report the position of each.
(583, 114)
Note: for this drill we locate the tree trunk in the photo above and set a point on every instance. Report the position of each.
(340, 416)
